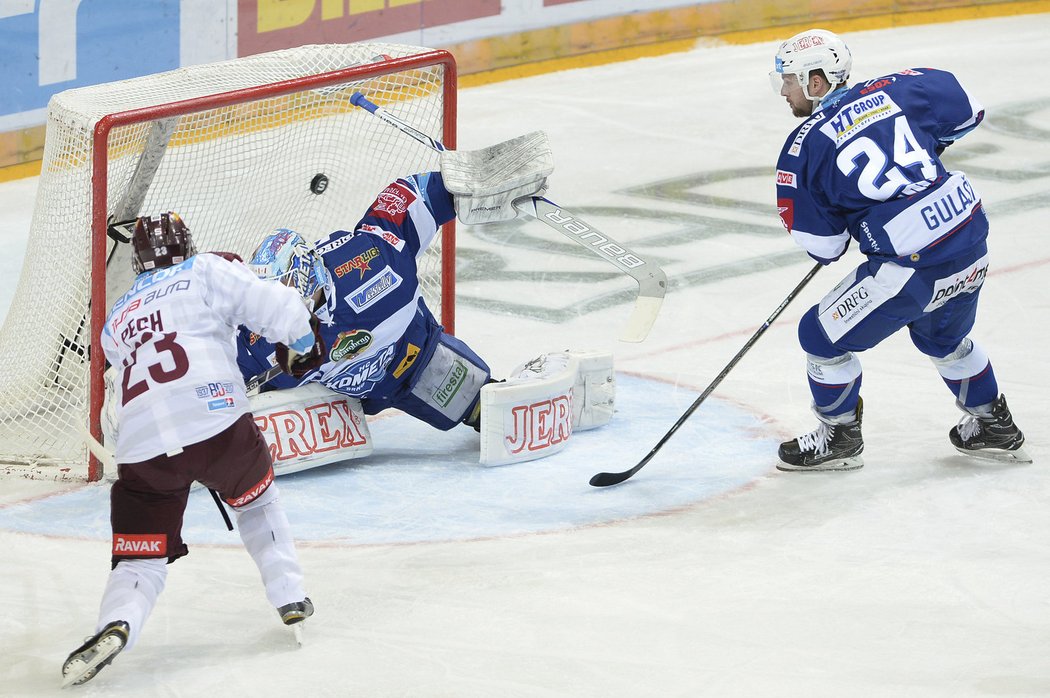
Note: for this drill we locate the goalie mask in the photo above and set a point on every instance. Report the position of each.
(160, 241)
(284, 255)
(814, 49)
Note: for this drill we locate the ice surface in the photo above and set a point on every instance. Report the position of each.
(710, 573)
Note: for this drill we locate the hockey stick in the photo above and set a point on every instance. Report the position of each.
(260, 379)
(103, 454)
(606, 479)
(652, 281)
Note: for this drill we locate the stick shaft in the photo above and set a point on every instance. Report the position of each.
(606, 479)
(360, 100)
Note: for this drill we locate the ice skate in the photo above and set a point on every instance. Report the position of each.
(990, 437)
(828, 447)
(293, 615)
(98, 651)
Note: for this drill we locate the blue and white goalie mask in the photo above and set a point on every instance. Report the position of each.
(285, 256)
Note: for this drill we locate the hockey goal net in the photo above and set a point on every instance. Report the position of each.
(237, 148)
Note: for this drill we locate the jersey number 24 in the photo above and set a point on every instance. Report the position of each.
(907, 152)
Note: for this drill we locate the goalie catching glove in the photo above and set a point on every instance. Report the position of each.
(305, 354)
(485, 183)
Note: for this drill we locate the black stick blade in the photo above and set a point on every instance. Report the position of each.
(607, 479)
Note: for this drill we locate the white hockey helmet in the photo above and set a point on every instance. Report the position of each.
(285, 256)
(813, 49)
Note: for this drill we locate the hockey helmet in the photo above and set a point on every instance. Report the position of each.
(160, 241)
(813, 49)
(285, 256)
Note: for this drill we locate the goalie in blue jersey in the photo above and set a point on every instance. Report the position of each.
(864, 166)
(385, 347)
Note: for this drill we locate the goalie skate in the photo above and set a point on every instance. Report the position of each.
(990, 437)
(828, 447)
(97, 651)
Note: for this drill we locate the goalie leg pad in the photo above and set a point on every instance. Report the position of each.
(535, 412)
(485, 183)
(310, 425)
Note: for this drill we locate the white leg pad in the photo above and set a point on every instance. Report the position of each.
(534, 413)
(267, 537)
(131, 592)
(310, 425)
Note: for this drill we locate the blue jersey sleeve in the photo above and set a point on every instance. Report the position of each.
(807, 214)
(954, 112)
(409, 211)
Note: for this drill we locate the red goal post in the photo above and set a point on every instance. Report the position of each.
(237, 148)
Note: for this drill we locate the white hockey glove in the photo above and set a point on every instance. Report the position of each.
(485, 183)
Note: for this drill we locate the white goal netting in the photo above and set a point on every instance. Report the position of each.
(233, 147)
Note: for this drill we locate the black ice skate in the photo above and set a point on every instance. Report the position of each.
(992, 437)
(828, 447)
(98, 651)
(293, 614)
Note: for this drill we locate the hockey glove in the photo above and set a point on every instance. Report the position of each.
(485, 183)
(297, 364)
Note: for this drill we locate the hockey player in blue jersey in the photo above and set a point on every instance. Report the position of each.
(385, 346)
(864, 166)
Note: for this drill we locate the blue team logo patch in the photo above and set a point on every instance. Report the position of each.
(362, 375)
(220, 404)
(375, 289)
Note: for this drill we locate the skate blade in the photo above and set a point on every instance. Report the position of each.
(998, 455)
(853, 463)
(79, 669)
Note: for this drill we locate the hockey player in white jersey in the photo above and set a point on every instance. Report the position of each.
(865, 166)
(183, 416)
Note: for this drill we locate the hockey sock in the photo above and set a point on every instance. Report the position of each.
(968, 374)
(131, 592)
(267, 537)
(835, 385)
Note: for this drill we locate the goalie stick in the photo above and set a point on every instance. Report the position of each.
(651, 279)
(607, 479)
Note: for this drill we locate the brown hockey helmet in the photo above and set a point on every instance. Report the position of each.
(160, 241)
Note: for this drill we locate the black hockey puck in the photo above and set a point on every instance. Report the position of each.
(319, 183)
